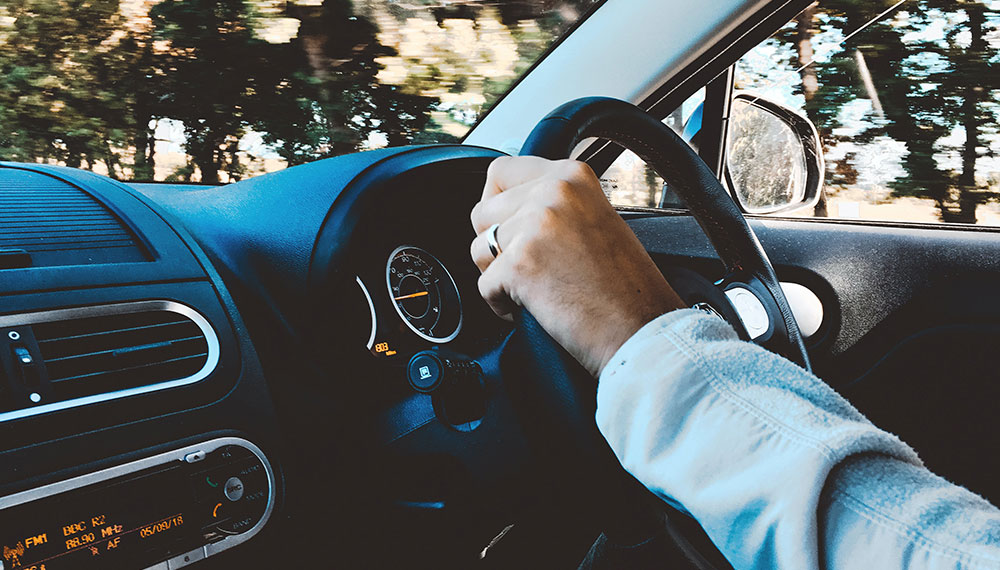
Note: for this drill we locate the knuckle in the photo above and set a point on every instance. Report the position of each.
(562, 190)
(484, 287)
(547, 218)
(523, 264)
(575, 168)
(496, 165)
(474, 248)
(475, 214)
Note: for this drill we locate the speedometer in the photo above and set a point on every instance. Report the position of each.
(424, 294)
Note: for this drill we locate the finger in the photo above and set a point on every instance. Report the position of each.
(494, 292)
(480, 247)
(501, 207)
(509, 171)
(480, 252)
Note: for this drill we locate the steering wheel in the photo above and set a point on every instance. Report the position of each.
(555, 396)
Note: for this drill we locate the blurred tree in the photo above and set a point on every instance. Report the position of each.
(804, 57)
(949, 85)
(86, 82)
(342, 49)
(212, 80)
(925, 87)
(59, 99)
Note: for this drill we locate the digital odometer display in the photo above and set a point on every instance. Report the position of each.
(424, 294)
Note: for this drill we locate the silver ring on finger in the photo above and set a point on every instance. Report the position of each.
(493, 241)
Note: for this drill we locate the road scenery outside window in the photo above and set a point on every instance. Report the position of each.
(214, 91)
(905, 98)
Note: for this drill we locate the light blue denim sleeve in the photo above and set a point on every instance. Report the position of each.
(781, 471)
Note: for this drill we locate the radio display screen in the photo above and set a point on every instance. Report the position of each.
(120, 524)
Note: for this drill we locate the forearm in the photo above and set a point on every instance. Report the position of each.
(745, 441)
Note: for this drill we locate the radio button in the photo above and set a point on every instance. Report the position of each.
(212, 485)
(194, 457)
(232, 453)
(237, 525)
(233, 489)
(187, 558)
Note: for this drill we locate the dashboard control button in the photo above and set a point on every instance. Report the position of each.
(236, 525)
(23, 356)
(424, 372)
(231, 453)
(194, 457)
(234, 489)
(186, 558)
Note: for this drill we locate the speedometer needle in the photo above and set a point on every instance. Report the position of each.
(411, 295)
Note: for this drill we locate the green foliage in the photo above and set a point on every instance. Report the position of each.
(930, 84)
(88, 83)
(90, 88)
(58, 97)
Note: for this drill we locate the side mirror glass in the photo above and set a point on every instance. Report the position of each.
(774, 161)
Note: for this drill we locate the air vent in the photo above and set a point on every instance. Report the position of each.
(98, 353)
(55, 223)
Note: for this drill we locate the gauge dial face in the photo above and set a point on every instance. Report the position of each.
(424, 294)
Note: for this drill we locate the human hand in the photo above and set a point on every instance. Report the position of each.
(566, 256)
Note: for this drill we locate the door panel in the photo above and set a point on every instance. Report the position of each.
(911, 325)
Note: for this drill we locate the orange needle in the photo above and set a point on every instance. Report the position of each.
(411, 295)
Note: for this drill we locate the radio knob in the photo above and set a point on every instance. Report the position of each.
(234, 489)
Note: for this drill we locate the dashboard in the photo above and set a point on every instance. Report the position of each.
(234, 376)
(183, 366)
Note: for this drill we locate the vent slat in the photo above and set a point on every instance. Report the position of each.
(106, 332)
(113, 352)
(202, 356)
(44, 243)
(36, 249)
(84, 232)
(82, 224)
(55, 216)
(69, 238)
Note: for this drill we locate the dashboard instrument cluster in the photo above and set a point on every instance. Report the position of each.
(418, 303)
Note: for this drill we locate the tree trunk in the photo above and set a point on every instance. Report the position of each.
(804, 51)
(810, 84)
(967, 188)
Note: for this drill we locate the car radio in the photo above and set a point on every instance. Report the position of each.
(159, 513)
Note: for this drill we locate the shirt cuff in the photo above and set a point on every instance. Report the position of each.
(678, 320)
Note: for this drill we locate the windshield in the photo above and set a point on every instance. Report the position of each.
(214, 91)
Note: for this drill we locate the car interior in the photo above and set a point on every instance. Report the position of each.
(298, 369)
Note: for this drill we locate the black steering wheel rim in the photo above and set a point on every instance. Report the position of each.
(558, 134)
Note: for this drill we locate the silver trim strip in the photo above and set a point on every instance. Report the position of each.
(175, 455)
(371, 308)
(211, 362)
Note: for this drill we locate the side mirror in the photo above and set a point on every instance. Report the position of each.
(774, 159)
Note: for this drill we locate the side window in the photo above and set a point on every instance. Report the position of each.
(629, 182)
(908, 120)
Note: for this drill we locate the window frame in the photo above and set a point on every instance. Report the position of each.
(705, 72)
(702, 72)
